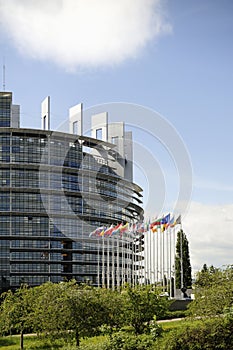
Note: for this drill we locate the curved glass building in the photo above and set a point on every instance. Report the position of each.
(56, 188)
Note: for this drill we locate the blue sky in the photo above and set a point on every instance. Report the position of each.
(184, 72)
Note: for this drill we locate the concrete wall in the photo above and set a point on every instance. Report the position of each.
(76, 116)
(15, 116)
(100, 122)
(45, 114)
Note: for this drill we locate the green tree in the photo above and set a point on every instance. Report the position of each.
(85, 311)
(207, 276)
(66, 307)
(213, 292)
(182, 262)
(142, 304)
(16, 311)
(49, 316)
(113, 304)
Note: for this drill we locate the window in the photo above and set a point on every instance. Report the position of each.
(75, 127)
(44, 122)
(99, 134)
(115, 140)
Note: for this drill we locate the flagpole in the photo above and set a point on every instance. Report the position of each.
(98, 263)
(149, 259)
(167, 257)
(174, 231)
(108, 265)
(113, 262)
(103, 264)
(170, 260)
(123, 262)
(157, 256)
(118, 265)
(154, 252)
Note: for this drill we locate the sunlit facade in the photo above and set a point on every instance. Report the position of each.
(55, 188)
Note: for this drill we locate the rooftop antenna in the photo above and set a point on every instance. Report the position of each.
(4, 75)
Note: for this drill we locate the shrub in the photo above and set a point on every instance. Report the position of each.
(214, 333)
(127, 341)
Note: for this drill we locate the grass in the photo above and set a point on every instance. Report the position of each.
(94, 343)
(37, 343)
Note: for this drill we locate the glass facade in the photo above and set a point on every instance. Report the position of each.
(5, 109)
(54, 190)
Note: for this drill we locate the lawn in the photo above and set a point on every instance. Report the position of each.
(94, 343)
(35, 343)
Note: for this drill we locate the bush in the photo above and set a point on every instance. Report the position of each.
(209, 334)
(127, 341)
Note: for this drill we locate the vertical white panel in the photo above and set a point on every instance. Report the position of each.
(76, 119)
(45, 114)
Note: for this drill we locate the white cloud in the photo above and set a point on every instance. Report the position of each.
(210, 233)
(82, 33)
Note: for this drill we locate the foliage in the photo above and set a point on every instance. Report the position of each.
(16, 311)
(68, 310)
(142, 304)
(207, 276)
(183, 258)
(214, 333)
(155, 329)
(213, 292)
(127, 341)
(113, 316)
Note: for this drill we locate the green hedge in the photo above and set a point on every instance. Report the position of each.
(208, 334)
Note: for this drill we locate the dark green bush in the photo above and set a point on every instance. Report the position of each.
(208, 334)
(127, 341)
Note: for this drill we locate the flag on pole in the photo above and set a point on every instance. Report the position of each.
(172, 222)
(109, 230)
(165, 221)
(116, 229)
(156, 223)
(178, 220)
(97, 231)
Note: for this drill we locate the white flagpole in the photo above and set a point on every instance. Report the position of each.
(113, 262)
(103, 264)
(174, 260)
(98, 262)
(157, 255)
(170, 261)
(118, 264)
(149, 259)
(167, 256)
(108, 265)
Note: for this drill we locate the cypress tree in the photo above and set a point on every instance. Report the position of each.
(183, 258)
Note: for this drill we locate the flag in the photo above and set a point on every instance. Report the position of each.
(109, 231)
(178, 220)
(156, 223)
(140, 227)
(172, 222)
(116, 229)
(166, 219)
(97, 231)
(165, 222)
(124, 228)
(154, 229)
(132, 228)
(101, 233)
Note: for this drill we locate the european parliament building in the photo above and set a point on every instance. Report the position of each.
(55, 189)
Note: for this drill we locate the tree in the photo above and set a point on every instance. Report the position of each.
(207, 276)
(65, 307)
(213, 292)
(182, 263)
(142, 304)
(16, 311)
